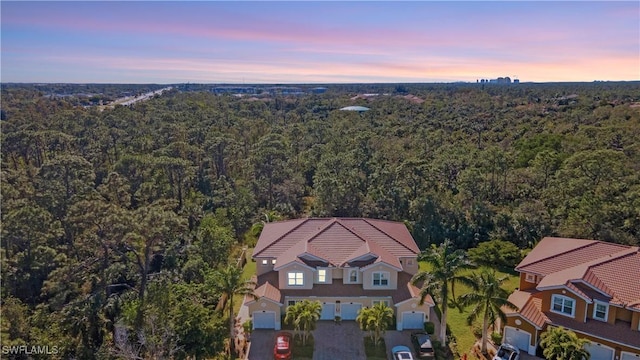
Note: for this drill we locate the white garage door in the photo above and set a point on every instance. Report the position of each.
(264, 320)
(412, 320)
(516, 337)
(629, 356)
(328, 312)
(599, 352)
(350, 311)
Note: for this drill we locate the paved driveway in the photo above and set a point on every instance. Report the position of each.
(262, 342)
(338, 342)
(395, 338)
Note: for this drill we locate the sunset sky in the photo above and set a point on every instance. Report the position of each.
(318, 42)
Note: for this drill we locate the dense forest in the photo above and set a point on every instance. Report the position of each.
(116, 223)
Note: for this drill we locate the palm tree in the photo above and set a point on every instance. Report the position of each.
(229, 281)
(304, 315)
(446, 263)
(488, 298)
(363, 320)
(561, 344)
(376, 319)
(292, 314)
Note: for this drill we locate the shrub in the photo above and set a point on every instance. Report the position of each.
(477, 331)
(429, 327)
(496, 337)
(247, 326)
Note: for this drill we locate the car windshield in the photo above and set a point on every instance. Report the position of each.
(282, 345)
(404, 356)
(505, 354)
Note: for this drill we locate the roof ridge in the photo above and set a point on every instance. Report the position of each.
(585, 267)
(306, 241)
(611, 257)
(283, 235)
(387, 234)
(594, 242)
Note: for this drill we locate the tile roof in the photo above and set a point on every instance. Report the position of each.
(269, 291)
(555, 254)
(336, 240)
(589, 268)
(529, 307)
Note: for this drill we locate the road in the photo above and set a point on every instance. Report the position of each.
(126, 101)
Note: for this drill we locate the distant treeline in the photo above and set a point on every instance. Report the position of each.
(115, 222)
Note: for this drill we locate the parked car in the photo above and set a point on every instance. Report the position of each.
(507, 352)
(282, 348)
(401, 352)
(422, 344)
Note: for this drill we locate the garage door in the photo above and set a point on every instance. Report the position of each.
(518, 338)
(412, 320)
(629, 356)
(328, 312)
(264, 320)
(599, 352)
(350, 311)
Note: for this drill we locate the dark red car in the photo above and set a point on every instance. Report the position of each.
(282, 348)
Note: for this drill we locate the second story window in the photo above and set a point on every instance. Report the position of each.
(322, 275)
(380, 279)
(600, 311)
(353, 276)
(295, 279)
(563, 305)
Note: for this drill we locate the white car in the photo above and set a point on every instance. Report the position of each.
(401, 353)
(507, 352)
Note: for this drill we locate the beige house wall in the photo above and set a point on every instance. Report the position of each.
(329, 276)
(367, 277)
(261, 305)
(409, 264)
(336, 273)
(346, 273)
(308, 275)
(264, 268)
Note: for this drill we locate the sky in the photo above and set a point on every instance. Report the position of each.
(249, 42)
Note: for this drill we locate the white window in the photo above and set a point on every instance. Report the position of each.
(273, 262)
(295, 278)
(322, 275)
(380, 278)
(264, 261)
(353, 276)
(291, 302)
(563, 305)
(410, 262)
(376, 302)
(600, 311)
(530, 278)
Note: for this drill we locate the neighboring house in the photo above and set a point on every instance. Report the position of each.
(345, 263)
(590, 287)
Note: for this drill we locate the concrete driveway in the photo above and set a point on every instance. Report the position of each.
(338, 342)
(262, 342)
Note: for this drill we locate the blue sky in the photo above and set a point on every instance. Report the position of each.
(317, 42)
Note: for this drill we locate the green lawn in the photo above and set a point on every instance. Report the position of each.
(457, 320)
(247, 272)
